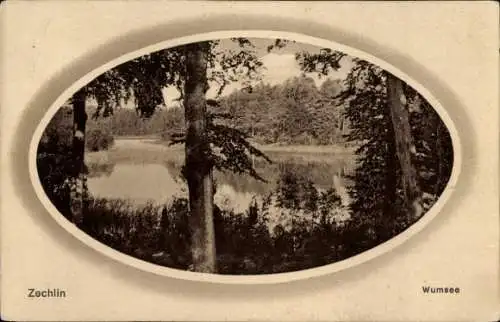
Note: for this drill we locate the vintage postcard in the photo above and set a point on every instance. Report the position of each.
(271, 161)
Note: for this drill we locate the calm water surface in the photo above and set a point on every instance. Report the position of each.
(160, 182)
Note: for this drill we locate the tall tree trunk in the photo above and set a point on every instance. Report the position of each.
(404, 143)
(387, 222)
(198, 170)
(78, 177)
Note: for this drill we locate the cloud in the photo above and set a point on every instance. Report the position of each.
(279, 67)
(170, 94)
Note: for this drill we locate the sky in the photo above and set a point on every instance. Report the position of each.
(279, 65)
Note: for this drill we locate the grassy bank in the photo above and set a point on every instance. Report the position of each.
(159, 234)
(134, 152)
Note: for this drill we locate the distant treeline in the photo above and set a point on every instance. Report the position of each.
(59, 131)
(293, 112)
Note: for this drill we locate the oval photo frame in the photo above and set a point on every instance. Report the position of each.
(355, 260)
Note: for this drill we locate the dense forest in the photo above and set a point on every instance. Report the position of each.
(404, 158)
(293, 112)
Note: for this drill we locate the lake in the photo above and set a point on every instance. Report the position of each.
(147, 171)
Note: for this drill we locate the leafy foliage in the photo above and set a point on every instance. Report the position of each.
(231, 150)
(98, 139)
(294, 112)
(146, 76)
(228, 148)
(245, 244)
(55, 161)
(324, 62)
(377, 209)
(108, 90)
(354, 111)
(278, 43)
(296, 191)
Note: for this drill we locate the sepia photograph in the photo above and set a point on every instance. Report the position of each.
(244, 156)
(249, 161)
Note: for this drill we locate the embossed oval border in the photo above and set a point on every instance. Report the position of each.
(247, 279)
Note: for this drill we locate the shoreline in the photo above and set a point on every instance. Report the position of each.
(155, 147)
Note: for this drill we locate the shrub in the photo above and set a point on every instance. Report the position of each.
(98, 139)
(245, 243)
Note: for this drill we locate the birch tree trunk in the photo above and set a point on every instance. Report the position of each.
(404, 143)
(78, 177)
(198, 170)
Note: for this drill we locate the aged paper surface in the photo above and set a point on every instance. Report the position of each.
(451, 49)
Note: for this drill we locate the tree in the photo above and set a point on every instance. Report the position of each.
(107, 89)
(77, 175)
(198, 170)
(140, 79)
(376, 206)
(209, 144)
(395, 158)
(299, 95)
(54, 162)
(404, 143)
(434, 157)
(294, 111)
(332, 110)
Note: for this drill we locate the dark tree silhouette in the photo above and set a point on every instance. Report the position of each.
(190, 68)
(391, 185)
(198, 168)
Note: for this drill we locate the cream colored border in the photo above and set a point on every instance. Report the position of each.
(253, 279)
